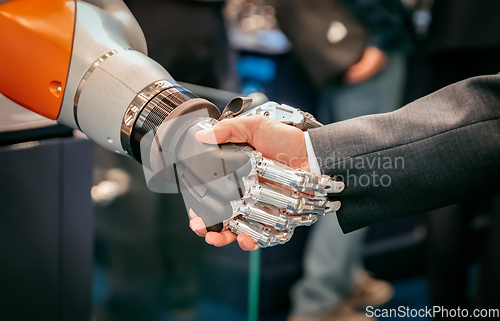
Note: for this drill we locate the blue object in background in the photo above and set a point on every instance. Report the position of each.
(100, 286)
(256, 68)
(249, 87)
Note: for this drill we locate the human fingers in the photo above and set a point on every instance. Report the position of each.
(196, 224)
(246, 243)
(220, 239)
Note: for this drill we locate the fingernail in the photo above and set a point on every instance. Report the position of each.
(197, 224)
(206, 136)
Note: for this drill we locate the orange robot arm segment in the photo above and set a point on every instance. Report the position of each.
(36, 38)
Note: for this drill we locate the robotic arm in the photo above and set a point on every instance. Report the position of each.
(85, 64)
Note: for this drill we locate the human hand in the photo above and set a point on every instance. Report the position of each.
(266, 189)
(266, 136)
(373, 61)
(248, 171)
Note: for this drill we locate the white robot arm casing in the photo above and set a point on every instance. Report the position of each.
(106, 72)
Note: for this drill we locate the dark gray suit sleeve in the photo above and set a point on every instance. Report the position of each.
(436, 151)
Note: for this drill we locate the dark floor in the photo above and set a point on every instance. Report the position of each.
(409, 292)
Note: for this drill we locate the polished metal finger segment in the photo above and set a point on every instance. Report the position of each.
(309, 121)
(277, 112)
(301, 220)
(298, 179)
(276, 218)
(285, 114)
(264, 236)
(291, 202)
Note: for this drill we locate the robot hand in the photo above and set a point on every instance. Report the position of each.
(235, 185)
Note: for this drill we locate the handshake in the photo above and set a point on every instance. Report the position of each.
(243, 177)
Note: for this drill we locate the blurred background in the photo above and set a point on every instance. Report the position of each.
(133, 249)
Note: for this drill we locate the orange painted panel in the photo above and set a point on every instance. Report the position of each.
(36, 38)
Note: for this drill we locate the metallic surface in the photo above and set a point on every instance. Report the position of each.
(298, 179)
(81, 85)
(285, 114)
(100, 27)
(154, 113)
(270, 211)
(135, 108)
(290, 202)
(262, 235)
(157, 101)
(278, 219)
(269, 199)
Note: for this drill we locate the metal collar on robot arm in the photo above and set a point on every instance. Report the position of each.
(118, 92)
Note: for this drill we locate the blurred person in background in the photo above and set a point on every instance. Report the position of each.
(463, 41)
(354, 52)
